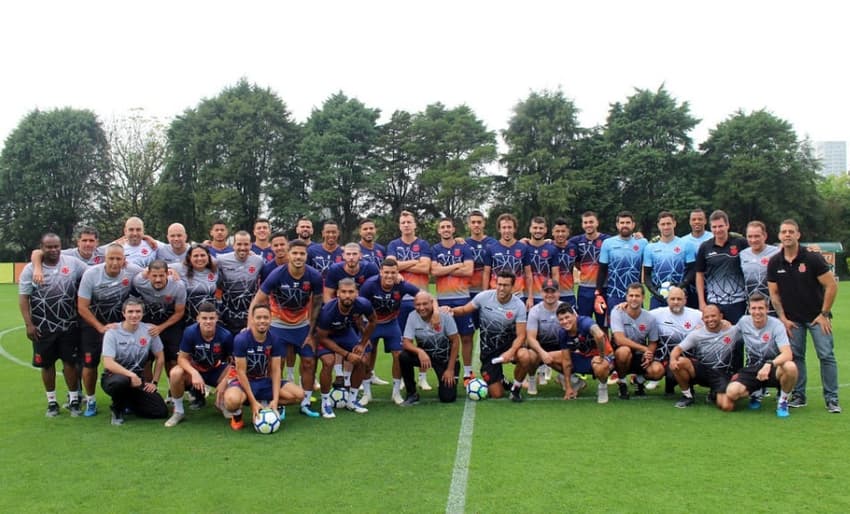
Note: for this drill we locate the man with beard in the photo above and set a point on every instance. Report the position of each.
(675, 322)
(588, 245)
(508, 254)
(635, 335)
(542, 259)
(238, 273)
(666, 262)
(619, 264)
(565, 259)
(218, 239)
(322, 256)
(371, 250)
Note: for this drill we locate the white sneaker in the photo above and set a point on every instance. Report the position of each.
(651, 384)
(424, 385)
(532, 385)
(175, 419)
(542, 377)
(397, 399)
(357, 407)
(378, 380)
(366, 398)
(328, 411)
(602, 393)
(579, 384)
(613, 378)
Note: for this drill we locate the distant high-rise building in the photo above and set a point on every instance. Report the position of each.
(832, 156)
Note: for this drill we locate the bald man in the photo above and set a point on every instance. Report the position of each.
(175, 250)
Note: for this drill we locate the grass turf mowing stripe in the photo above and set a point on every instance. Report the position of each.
(8, 355)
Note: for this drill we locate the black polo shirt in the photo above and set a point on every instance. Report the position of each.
(799, 289)
(724, 280)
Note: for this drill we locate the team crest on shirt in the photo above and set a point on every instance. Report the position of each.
(97, 259)
(597, 243)
(687, 325)
(305, 286)
(727, 340)
(765, 337)
(764, 261)
(677, 250)
(143, 341)
(396, 295)
(733, 250)
(37, 358)
(572, 252)
(509, 315)
(211, 277)
(267, 351)
(636, 247)
(216, 348)
(642, 327)
(144, 251)
(456, 252)
(415, 248)
(251, 269)
(125, 282)
(545, 253)
(65, 270)
(517, 253)
(168, 298)
(438, 327)
(802, 268)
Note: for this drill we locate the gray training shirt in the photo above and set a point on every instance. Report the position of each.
(131, 349)
(435, 342)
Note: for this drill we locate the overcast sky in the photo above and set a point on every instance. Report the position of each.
(719, 56)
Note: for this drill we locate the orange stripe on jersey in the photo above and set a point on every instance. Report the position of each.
(566, 281)
(449, 285)
(419, 280)
(588, 273)
(289, 316)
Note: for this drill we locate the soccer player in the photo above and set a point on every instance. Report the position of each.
(754, 261)
(712, 346)
(770, 362)
(280, 249)
(371, 251)
(588, 246)
(452, 265)
(304, 231)
(541, 336)
(165, 308)
(802, 290)
(352, 267)
(583, 349)
(385, 292)
(203, 360)
(86, 250)
(413, 256)
(218, 239)
(620, 262)
(508, 254)
(565, 258)
(336, 333)
(675, 322)
(695, 238)
(137, 249)
(100, 299)
(321, 256)
(294, 292)
(175, 250)
(436, 348)
(635, 333)
(667, 262)
(127, 349)
(199, 274)
(542, 259)
(262, 246)
(257, 353)
(503, 323)
(239, 273)
(718, 270)
(49, 311)
(478, 242)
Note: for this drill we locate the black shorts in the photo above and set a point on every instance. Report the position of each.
(61, 345)
(748, 377)
(171, 337)
(492, 373)
(91, 346)
(715, 379)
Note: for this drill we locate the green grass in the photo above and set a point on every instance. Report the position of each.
(544, 455)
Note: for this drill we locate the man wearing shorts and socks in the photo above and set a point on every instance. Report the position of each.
(127, 349)
(770, 362)
(203, 361)
(583, 348)
(436, 348)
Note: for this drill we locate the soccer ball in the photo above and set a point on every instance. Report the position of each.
(664, 290)
(267, 421)
(476, 389)
(338, 398)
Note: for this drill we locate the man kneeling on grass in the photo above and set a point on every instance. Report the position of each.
(770, 362)
(436, 347)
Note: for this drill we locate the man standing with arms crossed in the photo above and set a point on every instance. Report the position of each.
(588, 246)
(802, 290)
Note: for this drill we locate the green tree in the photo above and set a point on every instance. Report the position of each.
(54, 174)
(757, 161)
(835, 193)
(337, 154)
(227, 158)
(395, 179)
(648, 156)
(546, 159)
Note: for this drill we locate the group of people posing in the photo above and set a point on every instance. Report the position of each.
(235, 315)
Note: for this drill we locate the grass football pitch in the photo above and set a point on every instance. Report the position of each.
(543, 455)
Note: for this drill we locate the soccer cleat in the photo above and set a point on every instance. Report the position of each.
(782, 410)
(652, 384)
(424, 385)
(755, 404)
(797, 401)
(412, 399)
(685, 402)
(397, 399)
(74, 407)
(52, 410)
(623, 393)
(174, 420)
(366, 398)
(356, 407)
(579, 385)
(307, 411)
(117, 417)
(376, 380)
(711, 397)
(237, 424)
(328, 411)
(516, 394)
(640, 390)
(198, 400)
(832, 407)
(91, 409)
(602, 393)
(613, 378)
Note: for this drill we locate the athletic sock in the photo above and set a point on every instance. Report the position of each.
(423, 376)
(467, 371)
(308, 395)
(237, 414)
(51, 396)
(178, 406)
(352, 395)
(90, 398)
(326, 398)
(783, 396)
(367, 386)
(290, 373)
(517, 384)
(337, 370)
(687, 393)
(73, 396)
(621, 380)
(396, 385)
(347, 378)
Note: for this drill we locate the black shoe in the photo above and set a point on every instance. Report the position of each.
(641, 390)
(669, 387)
(52, 410)
(74, 407)
(117, 416)
(797, 401)
(624, 390)
(198, 400)
(711, 397)
(412, 399)
(516, 395)
(684, 402)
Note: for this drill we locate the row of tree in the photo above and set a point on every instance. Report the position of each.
(240, 155)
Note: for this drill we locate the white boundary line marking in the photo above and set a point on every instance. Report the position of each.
(8, 355)
(456, 502)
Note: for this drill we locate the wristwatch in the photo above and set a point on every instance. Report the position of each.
(826, 314)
